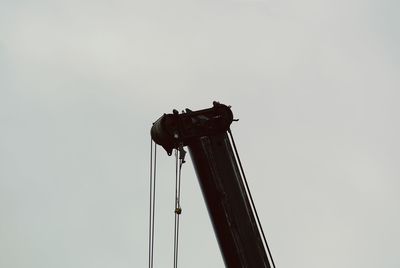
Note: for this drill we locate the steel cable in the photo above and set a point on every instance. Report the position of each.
(179, 160)
(251, 198)
(152, 195)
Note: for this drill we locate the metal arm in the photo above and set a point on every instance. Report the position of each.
(205, 134)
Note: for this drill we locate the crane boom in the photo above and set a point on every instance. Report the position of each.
(204, 132)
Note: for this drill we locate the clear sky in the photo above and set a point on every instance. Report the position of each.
(315, 85)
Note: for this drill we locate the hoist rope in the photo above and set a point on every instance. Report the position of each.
(152, 205)
(179, 160)
(176, 205)
(251, 198)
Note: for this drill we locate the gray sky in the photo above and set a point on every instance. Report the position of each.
(314, 83)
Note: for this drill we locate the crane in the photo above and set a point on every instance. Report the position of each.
(207, 135)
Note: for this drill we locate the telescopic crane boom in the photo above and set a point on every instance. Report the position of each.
(205, 133)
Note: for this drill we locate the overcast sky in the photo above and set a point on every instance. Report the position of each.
(315, 85)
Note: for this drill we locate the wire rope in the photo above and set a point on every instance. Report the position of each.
(152, 197)
(176, 205)
(251, 198)
(180, 155)
(179, 160)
